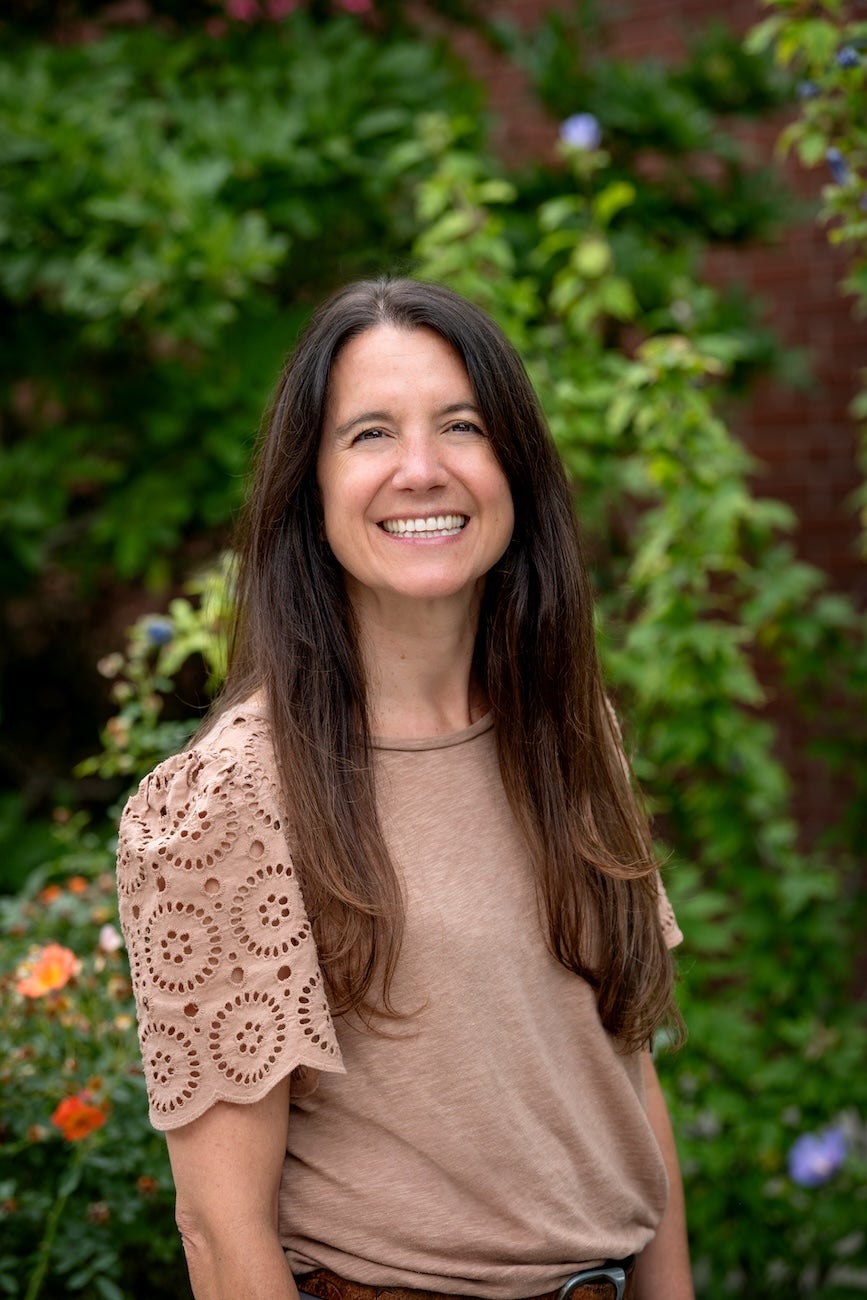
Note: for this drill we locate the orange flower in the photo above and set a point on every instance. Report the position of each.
(77, 1116)
(76, 884)
(47, 970)
(50, 894)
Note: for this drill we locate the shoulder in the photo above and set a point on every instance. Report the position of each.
(196, 800)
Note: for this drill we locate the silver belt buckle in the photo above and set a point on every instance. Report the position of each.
(613, 1273)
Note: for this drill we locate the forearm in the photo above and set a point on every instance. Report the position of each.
(239, 1265)
(663, 1269)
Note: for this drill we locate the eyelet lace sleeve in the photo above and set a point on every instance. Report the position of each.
(226, 977)
(671, 931)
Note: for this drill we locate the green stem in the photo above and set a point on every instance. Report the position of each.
(43, 1255)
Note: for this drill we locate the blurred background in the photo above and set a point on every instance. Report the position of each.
(665, 206)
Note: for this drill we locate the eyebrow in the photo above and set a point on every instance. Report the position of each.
(370, 417)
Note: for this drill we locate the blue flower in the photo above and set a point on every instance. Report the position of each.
(848, 57)
(807, 90)
(837, 166)
(581, 131)
(816, 1157)
(158, 630)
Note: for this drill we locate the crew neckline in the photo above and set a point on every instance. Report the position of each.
(483, 724)
(254, 706)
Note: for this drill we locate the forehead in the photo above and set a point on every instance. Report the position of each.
(390, 358)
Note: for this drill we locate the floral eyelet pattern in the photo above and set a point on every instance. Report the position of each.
(183, 947)
(224, 966)
(247, 1036)
(262, 913)
(172, 1064)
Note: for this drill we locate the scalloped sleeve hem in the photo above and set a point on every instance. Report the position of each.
(229, 993)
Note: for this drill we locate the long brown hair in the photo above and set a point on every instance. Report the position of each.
(561, 762)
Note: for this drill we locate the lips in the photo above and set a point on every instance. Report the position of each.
(426, 526)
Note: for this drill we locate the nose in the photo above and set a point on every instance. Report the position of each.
(420, 463)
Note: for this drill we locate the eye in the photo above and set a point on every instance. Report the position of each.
(368, 435)
(465, 426)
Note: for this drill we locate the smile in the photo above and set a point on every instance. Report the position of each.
(432, 526)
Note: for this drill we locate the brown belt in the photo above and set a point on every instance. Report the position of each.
(326, 1285)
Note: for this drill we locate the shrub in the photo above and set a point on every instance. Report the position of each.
(86, 1198)
(171, 201)
(168, 200)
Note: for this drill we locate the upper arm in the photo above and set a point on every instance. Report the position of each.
(227, 1163)
(657, 1112)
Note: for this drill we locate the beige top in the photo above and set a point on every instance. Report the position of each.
(496, 1140)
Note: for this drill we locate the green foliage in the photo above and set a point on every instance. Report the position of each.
(59, 18)
(666, 132)
(90, 1215)
(137, 737)
(825, 45)
(171, 204)
(163, 214)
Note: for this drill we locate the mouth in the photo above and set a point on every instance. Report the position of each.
(428, 526)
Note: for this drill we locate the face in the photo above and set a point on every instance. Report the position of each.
(416, 505)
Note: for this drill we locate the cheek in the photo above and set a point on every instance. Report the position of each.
(501, 496)
(344, 500)
(333, 492)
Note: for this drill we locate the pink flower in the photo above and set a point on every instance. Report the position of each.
(243, 11)
(355, 6)
(278, 9)
(47, 970)
(109, 939)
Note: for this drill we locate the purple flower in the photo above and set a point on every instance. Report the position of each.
(158, 630)
(581, 131)
(837, 166)
(816, 1157)
(848, 57)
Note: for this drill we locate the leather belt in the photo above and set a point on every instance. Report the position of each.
(614, 1280)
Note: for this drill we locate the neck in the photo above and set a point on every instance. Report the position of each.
(418, 667)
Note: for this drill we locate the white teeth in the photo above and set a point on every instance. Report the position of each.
(432, 526)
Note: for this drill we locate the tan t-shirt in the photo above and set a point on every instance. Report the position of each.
(494, 1141)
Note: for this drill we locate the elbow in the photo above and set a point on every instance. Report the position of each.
(200, 1242)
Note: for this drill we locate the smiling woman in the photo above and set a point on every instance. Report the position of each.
(396, 930)
(415, 502)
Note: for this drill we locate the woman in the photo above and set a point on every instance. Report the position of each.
(397, 936)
